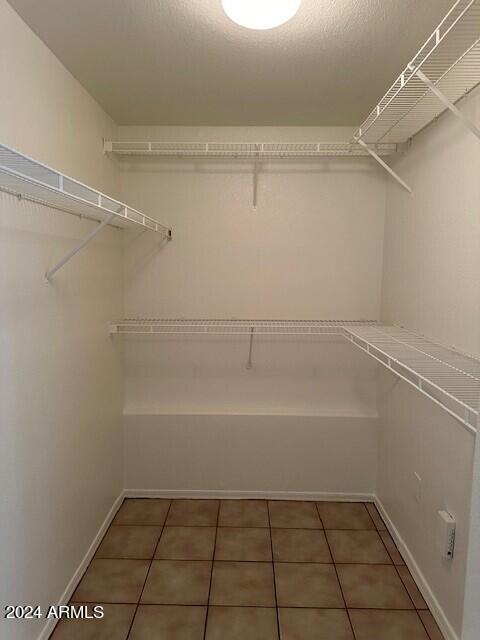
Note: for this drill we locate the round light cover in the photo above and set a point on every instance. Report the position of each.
(260, 14)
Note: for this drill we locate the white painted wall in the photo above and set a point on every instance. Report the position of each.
(225, 455)
(432, 241)
(311, 249)
(431, 285)
(417, 436)
(60, 377)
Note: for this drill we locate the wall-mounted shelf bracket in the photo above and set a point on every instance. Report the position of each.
(443, 98)
(83, 243)
(384, 164)
(250, 349)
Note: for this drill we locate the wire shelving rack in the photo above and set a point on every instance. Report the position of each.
(449, 60)
(245, 150)
(26, 178)
(449, 378)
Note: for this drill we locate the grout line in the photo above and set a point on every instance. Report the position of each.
(211, 571)
(148, 572)
(338, 579)
(241, 606)
(273, 570)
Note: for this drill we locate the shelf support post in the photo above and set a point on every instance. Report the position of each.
(443, 98)
(255, 184)
(250, 349)
(88, 238)
(384, 164)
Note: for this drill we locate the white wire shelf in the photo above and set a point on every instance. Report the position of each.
(449, 378)
(34, 181)
(245, 150)
(234, 326)
(450, 59)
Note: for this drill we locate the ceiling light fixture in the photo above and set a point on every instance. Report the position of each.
(260, 14)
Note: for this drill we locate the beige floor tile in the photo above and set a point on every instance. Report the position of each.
(314, 624)
(373, 587)
(286, 514)
(364, 547)
(387, 625)
(242, 543)
(113, 626)
(243, 513)
(112, 581)
(129, 542)
(241, 623)
(193, 513)
(142, 511)
(242, 584)
(155, 622)
(430, 625)
(300, 545)
(391, 548)
(186, 543)
(177, 582)
(307, 585)
(375, 516)
(413, 590)
(345, 515)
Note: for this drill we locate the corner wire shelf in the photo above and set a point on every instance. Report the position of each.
(449, 60)
(34, 181)
(449, 378)
(245, 150)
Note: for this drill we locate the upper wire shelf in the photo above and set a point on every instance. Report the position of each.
(449, 378)
(450, 59)
(32, 180)
(245, 150)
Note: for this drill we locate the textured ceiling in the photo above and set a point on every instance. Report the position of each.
(183, 62)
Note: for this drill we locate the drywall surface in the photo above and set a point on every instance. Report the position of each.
(431, 286)
(471, 619)
(417, 436)
(60, 377)
(250, 455)
(311, 249)
(432, 240)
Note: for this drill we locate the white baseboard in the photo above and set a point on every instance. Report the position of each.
(82, 567)
(248, 495)
(433, 604)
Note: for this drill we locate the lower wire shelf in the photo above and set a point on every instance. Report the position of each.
(447, 377)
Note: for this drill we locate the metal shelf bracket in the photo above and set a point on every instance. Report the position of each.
(255, 184)
(83, 243)
(250, 349)
(384, 165)
(443, 98)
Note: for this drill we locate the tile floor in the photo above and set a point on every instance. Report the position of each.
(249, 570)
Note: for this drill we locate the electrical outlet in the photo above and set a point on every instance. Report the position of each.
(418, 487)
